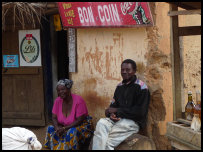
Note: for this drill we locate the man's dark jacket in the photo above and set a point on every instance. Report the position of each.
(132, 101)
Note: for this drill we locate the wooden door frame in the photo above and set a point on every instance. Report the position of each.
(177, 61)
(47, 34)
(47, 67)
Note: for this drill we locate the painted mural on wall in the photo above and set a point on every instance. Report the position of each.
(29, 48)
(105, 14)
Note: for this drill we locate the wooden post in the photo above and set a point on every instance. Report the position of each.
(72, 49)
(181, 49)
(175, 64)
(184, 12)
(188, 31)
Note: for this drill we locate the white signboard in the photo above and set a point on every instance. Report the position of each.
(29, 47)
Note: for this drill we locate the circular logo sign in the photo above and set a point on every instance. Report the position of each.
(29, 49)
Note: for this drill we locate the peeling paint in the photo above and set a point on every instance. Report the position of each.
(94, 59)
(109, 76)
(117, 38)
(96, 104)
(100, 54)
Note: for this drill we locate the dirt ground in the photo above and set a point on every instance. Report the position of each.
(40, 132)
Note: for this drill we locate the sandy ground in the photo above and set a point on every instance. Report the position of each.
(40, 132)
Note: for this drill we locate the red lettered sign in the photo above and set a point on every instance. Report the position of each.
(105, 14)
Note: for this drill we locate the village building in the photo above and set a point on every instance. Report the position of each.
(167, 54)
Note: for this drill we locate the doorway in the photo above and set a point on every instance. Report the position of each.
(55, 62)
(59, 60)
(62, 54)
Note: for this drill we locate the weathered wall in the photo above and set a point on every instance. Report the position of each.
(100, 53)
(191, 52)
(159, 75)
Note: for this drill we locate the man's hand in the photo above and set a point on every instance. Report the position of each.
(114, 118)
(109, 111)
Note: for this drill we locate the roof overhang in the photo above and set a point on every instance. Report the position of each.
(187, 5)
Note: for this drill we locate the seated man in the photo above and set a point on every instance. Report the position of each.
(126, 114)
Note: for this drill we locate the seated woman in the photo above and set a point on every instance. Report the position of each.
(71, 123)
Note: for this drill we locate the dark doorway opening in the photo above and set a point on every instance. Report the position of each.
(62, 53)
